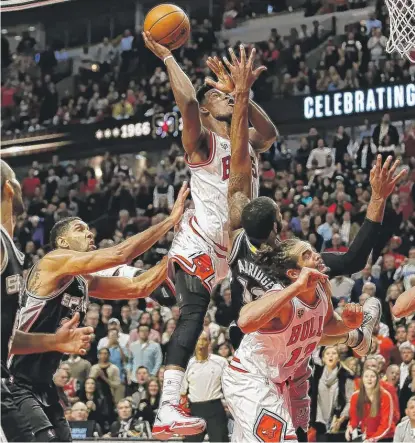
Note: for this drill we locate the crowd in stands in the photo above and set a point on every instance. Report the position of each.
(122, 79)
(323, 191)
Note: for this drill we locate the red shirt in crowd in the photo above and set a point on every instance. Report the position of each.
(29, 185)
(89, 186)
(347, 206)
(380, 427)
(339, 249)
(399, 258)
(7, 95)
(392, 391)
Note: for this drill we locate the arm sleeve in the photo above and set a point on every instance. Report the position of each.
(355, 259)
(386, 414)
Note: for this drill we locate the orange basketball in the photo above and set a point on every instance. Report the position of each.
(168, 25)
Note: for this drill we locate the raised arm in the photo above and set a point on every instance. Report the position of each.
(120, 288)
(405, 304)
(258, 313)
(240, 173)
(263, 133)
(194, 134)
(61, 262)
(383, 183)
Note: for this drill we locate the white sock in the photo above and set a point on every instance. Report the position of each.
(172, 384)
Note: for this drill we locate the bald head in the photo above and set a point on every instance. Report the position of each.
(11, 192)
(7, 174)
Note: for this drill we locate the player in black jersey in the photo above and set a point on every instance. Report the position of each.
(253, 228)
(14, 425)
(56, 288)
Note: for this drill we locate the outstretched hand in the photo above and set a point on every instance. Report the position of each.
(242, 71)
(224, 83)
(308, 278)
(73, 340)
(382, 178)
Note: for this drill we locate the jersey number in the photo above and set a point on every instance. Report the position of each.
(296, 353)
(226, 163)
(250, 294)
(13, 284)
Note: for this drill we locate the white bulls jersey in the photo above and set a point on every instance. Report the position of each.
(277, 354)
(200, 246)
(209, 185)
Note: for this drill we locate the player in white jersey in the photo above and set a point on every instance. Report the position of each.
(199, 250)
(290, 305)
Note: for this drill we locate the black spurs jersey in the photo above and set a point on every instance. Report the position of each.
(248, 280)
(11, 285)
(47, 315)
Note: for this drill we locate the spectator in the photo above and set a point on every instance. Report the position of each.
(79, 367)
(377, 45)
(405, 430)
(144, 353)
(372, 23)
(81, 426)
(107, 376)
(123, 339)
(163, 197)
(331, 389)
(341, 287)
(340, 143)
(352, 49)
(407, 389)
(360, 282)
(205, 400)
(224, 313)
(371, 410)
(71, 386)
(60, 379)
(92, 319)
(365, 154)
(118, 354)
(138, 389)
(105, 55)
(99, 406)
(153, 395)
(126, 425)
(385, 128)
(407, 351)
(319, 154)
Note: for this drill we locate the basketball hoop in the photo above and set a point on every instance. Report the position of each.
(402, 28)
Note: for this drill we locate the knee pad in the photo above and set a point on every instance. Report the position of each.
(46, 435)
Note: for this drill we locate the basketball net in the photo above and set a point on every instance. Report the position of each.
(402, 28)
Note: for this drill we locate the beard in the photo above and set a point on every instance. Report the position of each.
(17, 203)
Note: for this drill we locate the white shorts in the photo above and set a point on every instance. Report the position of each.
(260, 408)
(196, 254)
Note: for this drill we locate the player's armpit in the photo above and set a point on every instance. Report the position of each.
(116, 288)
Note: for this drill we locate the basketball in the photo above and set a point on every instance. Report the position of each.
(168, 25)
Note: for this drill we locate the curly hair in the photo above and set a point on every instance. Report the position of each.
(279, 259)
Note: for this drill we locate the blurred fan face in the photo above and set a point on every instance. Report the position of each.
(124, 410)
(370, 379)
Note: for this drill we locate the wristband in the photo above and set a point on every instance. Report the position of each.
(166, 58)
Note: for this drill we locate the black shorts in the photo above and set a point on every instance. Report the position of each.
(15, 425)
(40, 404)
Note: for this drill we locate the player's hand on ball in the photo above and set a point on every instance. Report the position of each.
(352, 315)
(225, 83)
(161, 51)
(73, 340)
(242, 71)
(178, 208)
